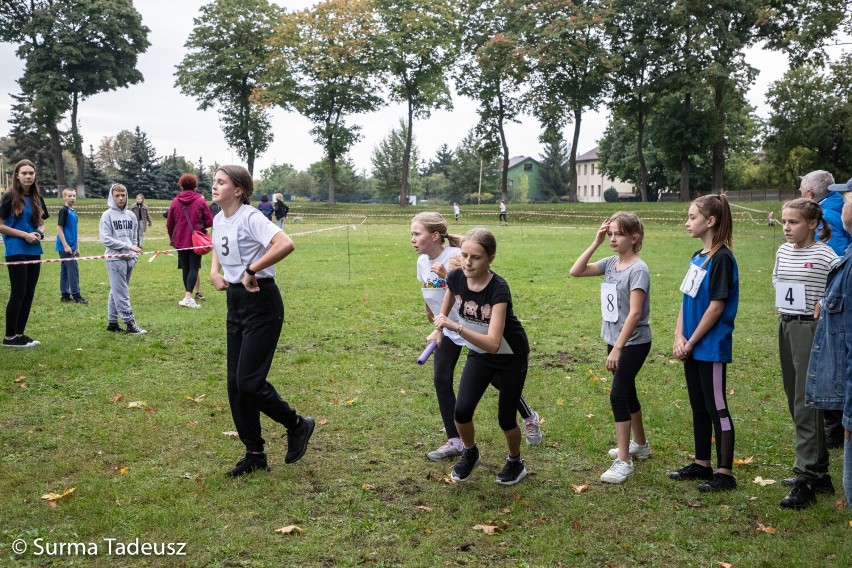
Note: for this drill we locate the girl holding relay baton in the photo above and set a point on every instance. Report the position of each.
(428, 234)
(498, 351)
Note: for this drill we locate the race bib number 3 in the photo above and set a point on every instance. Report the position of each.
(790, 296)
(227, 249)
(609, 302)
(692, 281)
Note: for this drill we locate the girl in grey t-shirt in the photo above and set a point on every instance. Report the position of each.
(625, 306)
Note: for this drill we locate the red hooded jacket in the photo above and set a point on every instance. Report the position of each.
(180, 233)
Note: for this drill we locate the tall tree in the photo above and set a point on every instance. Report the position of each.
(492, 72)
(567, 44)
(554, 172)
(78, 48)
(388, 156)
(97, 182)
(28, 140)
(471, 171)
(227, 53)
(441, 163)
(139, 171)
(419, 43)
(330, 50)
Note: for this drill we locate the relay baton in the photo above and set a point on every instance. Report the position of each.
(426, 352)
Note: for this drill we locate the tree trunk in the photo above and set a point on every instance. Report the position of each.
(718, 182)
(78, 149)
(685, 165)
(573, 196)
(58, 162)
(406, 157)
(643, 166)
(250, 159)
(332, 179)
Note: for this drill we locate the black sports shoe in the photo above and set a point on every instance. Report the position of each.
(250, 463)
(114, 327)
(16, 341)
(134, 329)
(81, 300)
(29, 341)
(464, 467)
(720, 482)
(800, 497)
(297, 439)
(66, 298)
(692, 471)
(513, 472)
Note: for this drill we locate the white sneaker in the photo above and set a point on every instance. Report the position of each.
(188, 303)
(636, 451)
(532, 429)
(448, 450)
(618, 472)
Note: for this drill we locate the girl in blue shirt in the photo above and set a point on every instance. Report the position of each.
(22, 215)
(703, 340)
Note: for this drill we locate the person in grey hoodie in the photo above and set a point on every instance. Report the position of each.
(118, 232)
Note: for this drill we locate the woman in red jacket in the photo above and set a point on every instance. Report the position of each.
(187, 213)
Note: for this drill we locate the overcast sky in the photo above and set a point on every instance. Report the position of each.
(173, 122)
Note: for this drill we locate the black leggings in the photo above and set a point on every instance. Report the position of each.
(706, 383)
(445, 359)
(22, 284)
(190, 263)
(508, 377)
(623, 397)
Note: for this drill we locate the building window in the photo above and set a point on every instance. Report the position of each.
(585, 169)
(593, 169)
(599, 191)
(585, 190)
(527, 167)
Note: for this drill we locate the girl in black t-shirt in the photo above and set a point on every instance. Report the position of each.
(498, 351)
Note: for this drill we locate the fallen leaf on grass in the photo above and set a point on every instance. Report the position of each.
(560, 401)
(726, 565)
(440, 479)
(137, 404)
(351, 401)
(368, 486)
(575, 525)
(334, 401)
(731, 391)
(763, 482)
(22, 385)
(20, 379)
(580, 488)
(323, 422)
(123, 471)
(487, 529)
(423, 508)
(693, 504)
(57, 496)
(744, 461)
(767, 530)
(505, 510)
(752, 498)
(196, 399)
(289, 529)
(401, 391)
(841, 504)
(590, 415)
(117, 398)
(191, 424)
(150, 410)
(231, 434)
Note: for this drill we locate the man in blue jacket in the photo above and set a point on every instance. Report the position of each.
(814, 185)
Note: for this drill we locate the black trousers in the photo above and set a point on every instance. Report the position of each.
(190, 263)
(254, 326)
(623, 397)
(706, 383)
(22, 284)
(508, 377)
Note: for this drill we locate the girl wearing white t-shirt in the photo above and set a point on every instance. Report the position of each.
(428, 233)
(246, 248)
(625, 309)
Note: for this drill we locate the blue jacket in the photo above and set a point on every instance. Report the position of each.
(828, 384)
(832, 205)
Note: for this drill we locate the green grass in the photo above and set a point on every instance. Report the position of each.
(365, 494)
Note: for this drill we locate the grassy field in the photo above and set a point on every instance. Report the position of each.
(365, 494)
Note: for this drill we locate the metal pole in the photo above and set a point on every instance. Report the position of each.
(479, 197)
(348, 253)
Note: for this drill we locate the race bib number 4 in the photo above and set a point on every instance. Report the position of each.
(692, 281)
(790, 296)
(609, 302)
(225, 240)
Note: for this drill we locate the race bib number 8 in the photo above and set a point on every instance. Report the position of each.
(692, 281)
(790, 296)
(609, 302)
(227, 249)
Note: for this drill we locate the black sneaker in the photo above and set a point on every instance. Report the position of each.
(692, 471)
(29, 341)
(17, 341)
(720, 482)
(297, 439)
(133, 329)
(513, 472)
(80, 300)
(467, 462)
(250, 463)
(114, 327)
(66, 297)
(800, 497)
(199, 297)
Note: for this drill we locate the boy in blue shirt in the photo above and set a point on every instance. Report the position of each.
(66, 246)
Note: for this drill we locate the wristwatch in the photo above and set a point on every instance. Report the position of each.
(249, 271)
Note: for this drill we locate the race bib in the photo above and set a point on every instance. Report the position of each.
(227, 249)
(790, 296)
(692, 281)
(609, 302)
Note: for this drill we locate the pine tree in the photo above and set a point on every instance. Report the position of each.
(27, 140)
(204, 183)
(441, 163)
(97, 182)
(138, 171)
(554, 173)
